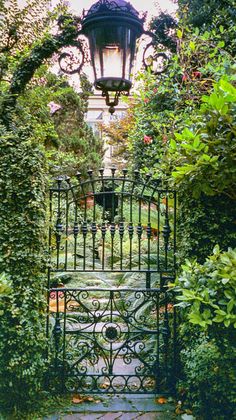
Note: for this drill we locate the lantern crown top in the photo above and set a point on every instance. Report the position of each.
(107, 8)
(112, 6)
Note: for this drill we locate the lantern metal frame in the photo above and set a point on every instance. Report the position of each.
(105, 11)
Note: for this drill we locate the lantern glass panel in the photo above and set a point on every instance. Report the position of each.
(113, 47)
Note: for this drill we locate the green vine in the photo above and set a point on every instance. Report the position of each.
(22, 221)
(27, 67)
(23, 187)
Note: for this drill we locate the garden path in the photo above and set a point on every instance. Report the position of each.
(120, 407)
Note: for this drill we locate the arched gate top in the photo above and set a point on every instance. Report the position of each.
(112, 223)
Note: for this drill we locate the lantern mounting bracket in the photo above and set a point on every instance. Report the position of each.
(67, 61)
(113, 85)
(160, 58)
(114, 101)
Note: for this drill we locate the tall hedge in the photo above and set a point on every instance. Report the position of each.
(23, 182)
(22, 231)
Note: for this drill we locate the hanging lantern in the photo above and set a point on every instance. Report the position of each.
(112, 29)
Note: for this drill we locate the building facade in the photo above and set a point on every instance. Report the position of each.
(98, 114)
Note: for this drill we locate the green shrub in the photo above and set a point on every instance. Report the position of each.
(208, 291)
(207, 296)
(210, 379)
(204, 222)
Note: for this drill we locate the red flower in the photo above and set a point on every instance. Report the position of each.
(147, 139)
(184, 77)
(146, 100)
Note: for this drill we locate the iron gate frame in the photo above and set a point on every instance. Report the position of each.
(148, 192)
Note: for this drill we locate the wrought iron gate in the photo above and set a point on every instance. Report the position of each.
(112, 253)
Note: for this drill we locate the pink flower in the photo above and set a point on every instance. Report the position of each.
(155, 90)
(184, 77)
(42, 81)
(147, 139)
(146, 100)
(197, 74)
(54, 107)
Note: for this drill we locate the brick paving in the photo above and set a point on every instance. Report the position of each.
(119, 407)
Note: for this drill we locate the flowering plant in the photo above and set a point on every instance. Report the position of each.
(54, 107)
(147, 139)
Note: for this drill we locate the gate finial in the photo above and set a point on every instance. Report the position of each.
(136, 173)
(101, 171)
(78, 176)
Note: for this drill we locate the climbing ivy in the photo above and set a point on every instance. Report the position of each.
(22, 224)
(23, 187)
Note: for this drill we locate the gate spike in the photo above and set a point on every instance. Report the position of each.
(113, 170)
(101, 171)
(136, 173)
(148, 176)
(59, 180)
(78, 176)
(90, 173)
(67, 179)
(125, 171)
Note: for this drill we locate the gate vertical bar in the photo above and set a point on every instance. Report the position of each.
(158, 231)
(66, 239)
(58, 226)
(112, 226)
(158, 341)
(64, 341)
(131, 227)
(139, 232)
(175, 233)
(103, 227)
(121, 224)
(166, 230)
(57, 332)
(93, 225)
(49, 264)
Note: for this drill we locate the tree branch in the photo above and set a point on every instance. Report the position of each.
(30, 64)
